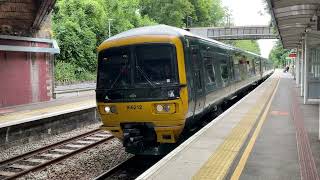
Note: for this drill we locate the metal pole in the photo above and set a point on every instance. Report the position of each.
(189, 17)
(187, 21)
(297, 68)
(302, 68)
(305, 72)
(110, 27)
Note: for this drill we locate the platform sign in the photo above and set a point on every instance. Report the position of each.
(293, 55)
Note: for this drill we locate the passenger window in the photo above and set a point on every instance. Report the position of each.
(231, 68)
(224, 72)
(210, 74)
(199, 79)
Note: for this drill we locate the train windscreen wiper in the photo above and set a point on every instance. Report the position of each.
(145, 76)
(116, 80)
(119, 75)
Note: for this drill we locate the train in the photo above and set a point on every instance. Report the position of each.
(156, 82)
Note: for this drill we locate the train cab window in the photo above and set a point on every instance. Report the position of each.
(114, 68)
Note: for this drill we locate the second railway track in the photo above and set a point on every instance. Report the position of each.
(129, 169)
(40, 158)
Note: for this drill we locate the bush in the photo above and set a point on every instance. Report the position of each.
(67, 73)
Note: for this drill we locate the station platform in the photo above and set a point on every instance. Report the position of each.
(13, 115)
(269, 134)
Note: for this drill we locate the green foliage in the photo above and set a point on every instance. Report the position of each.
(176, 12)
(76, 27)
(125, 15)
(70, 73)
(170, 12)
(207, 12)
(278, 55)
(248, 45)
(80, 26)
(64, 72)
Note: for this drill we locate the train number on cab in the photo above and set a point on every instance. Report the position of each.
(134, 107)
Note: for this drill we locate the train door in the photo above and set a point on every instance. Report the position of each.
(198, 79)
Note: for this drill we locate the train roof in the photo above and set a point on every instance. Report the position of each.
(152, 30)
(169, 30)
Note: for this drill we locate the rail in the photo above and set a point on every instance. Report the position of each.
(131, 168)
(75, 90)
(42, 157)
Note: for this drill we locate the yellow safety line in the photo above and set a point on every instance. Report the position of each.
(237, 173)
(30, 113)
(218, 164)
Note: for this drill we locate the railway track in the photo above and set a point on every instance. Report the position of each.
(40, 158)
(130, 169)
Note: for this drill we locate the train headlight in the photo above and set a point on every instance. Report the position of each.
(113, 109)
(107, 109)
(159, 108)
(110, 109)
(165, 108)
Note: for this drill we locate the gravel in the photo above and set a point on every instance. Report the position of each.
(86, 165)
(8, 152)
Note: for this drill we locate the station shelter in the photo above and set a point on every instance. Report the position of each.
(298, 25)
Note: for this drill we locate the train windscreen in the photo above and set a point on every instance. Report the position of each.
(138, 72)
(155, 65)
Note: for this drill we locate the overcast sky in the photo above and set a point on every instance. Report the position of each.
(251, 12)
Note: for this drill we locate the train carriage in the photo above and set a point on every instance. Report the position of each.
(158, 81)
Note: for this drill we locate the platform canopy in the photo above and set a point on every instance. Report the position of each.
(293, 18)
(23, 17)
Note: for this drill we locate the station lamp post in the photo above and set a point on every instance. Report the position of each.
(109, 20)
(189, 17)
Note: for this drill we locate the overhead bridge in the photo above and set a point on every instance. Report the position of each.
(235, 33)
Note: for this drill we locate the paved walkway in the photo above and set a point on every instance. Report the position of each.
(275, 153)
(24, 113)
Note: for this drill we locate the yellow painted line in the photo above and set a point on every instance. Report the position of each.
(37, 112)
(237, 173)
(218, 164)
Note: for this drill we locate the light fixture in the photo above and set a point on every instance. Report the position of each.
(107, 109)
(159, 108)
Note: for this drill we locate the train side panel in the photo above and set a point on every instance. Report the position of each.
(223, 74)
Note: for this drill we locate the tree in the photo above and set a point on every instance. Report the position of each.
(170, 12)
(76, 26)
(278, 55)
(176, 12)
(207, 12)
(248, 45)
(126, 15)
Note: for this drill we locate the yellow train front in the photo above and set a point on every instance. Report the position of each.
(151, 84)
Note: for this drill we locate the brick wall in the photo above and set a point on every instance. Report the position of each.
(24, 77)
